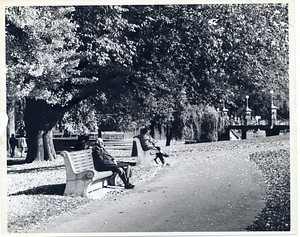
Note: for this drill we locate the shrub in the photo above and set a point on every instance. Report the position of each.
(209, 124)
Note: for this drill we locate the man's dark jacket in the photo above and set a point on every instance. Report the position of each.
(102, 159)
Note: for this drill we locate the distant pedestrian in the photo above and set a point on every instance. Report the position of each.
(22, 144)
(13, 142)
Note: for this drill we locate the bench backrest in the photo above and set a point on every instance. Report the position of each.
(143, 157)
(80, 160)
(136, 147)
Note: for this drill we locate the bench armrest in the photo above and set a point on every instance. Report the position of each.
(85, 175)
(92, 174)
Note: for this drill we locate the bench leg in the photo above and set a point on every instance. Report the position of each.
(115, 180)
(84, 187)
(76, 188)
(144, 158)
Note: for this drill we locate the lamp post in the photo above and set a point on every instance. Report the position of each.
(225, 111)
(273, 111)
(247, 97)
(272, 92)
(248, 111)
(225, 114)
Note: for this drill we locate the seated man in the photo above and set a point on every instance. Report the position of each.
(103, 161)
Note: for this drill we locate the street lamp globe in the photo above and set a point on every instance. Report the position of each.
(247, 97)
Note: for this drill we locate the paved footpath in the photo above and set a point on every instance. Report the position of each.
(209, 191)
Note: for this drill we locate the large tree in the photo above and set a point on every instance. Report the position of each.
(39, 56)
(54, 67)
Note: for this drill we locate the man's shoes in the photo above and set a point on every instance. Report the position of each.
(165, 164)
(129, 186)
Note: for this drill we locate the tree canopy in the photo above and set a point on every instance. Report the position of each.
(146, 64)
(210, 54)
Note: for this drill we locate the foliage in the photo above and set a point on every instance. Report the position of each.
(117, 108)
(46, 62)
(173, 47)
(41, 52)
(149, 62)
(210, 124)
(213, 53)
(192, 118)
(81, 119)
(202, 122)
(216, 52)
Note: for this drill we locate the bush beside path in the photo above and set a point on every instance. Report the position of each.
(35, 190)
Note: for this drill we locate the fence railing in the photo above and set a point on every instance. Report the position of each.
(254, 121)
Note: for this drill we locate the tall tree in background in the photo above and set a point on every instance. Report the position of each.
(209, 54)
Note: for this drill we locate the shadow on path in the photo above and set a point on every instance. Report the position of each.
(38, 169)
(56, 189)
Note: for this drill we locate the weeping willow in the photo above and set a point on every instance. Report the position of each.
(202, 123)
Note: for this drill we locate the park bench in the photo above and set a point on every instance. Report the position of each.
(142, 157)
(81, 177)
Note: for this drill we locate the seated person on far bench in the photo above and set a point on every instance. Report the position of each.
(147, 142)
(103, 161)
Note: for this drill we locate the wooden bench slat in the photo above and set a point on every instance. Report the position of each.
(82, 162)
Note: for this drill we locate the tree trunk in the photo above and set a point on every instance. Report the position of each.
(11, 120)
(168, 135)
(40, 119)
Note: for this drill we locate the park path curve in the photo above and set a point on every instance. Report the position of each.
(206, 191)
